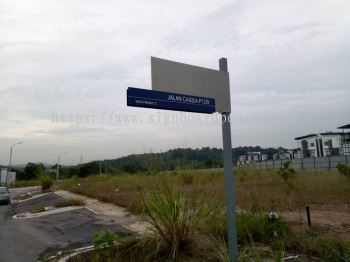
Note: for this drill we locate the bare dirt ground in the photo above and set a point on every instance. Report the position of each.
(335, 218)
(111, 213)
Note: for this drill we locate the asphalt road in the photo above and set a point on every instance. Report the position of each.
(25, 239)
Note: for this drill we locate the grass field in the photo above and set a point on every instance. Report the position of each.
(187, 211)
(257, 189)
(25, 183)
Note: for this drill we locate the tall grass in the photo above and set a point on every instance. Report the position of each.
(175, 219)
(316, 243)
(187, 216)
(25, 183)
(262, 188)
(46, 183)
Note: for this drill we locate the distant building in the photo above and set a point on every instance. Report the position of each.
(325, 144)
(283, 154)
(250, 157)
(345, 141)
(309, 145)
(312, 145)
(253, 156)
(286, 154)
(242, 158)
(264, 157)
(331, 143)
(297, 153)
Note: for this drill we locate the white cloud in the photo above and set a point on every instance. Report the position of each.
(288, 63)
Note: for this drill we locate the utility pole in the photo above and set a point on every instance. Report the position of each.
(58, 165)
(229, 178)
(10, 165)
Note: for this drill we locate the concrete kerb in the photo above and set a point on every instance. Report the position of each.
(76, 252)
(70, 254)
(33, 197)
(45, 213)
(89, 209)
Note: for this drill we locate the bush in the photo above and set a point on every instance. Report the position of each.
(326, 247)
(251, 227)
(46, 183)
(103, 243)
(344, 169)
(286, 171)
(105, 238)
(260, 228)
(174, 220)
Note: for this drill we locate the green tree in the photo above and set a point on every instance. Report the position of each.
(286, 171)
(19, 173)
(33, 171)
(91, 168)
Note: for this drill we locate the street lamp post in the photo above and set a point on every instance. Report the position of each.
(10, 165)
(58, 165)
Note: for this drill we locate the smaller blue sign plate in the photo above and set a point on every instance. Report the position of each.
(169, 101)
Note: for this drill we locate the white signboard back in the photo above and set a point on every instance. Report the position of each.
(3, 175)
(169, 76)
(11, 178)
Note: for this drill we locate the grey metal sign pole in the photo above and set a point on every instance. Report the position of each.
(58, 168)
(229, 181)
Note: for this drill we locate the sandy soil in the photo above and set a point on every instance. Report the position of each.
(110, 213)
(333, 218)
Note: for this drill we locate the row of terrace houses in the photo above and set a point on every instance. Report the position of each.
(252, 156)
(312, 145)
(324, 144)
(258, 156)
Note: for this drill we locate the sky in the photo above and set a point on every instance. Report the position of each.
(66, 65)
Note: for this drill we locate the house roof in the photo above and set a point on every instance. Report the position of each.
(330, 133)
(302, 137)
(344, 127)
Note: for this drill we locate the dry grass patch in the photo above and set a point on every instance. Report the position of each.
(70, 202)
(176, 238)
(38, 208)
(260, 189)
(23, 197)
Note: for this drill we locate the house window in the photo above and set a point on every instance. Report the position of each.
(346, 149)
(312, 144)
(325, 143)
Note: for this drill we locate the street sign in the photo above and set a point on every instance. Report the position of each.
(170, 101)
(169, 76)
(200, 90)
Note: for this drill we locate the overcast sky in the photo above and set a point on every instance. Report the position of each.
(65, 66)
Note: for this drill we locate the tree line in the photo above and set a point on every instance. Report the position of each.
(181, 158)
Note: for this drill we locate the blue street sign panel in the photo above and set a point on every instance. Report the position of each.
(170, 101)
